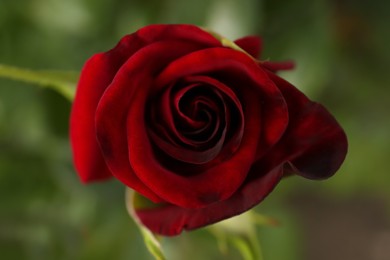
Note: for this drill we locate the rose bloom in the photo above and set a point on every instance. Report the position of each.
(197, 125)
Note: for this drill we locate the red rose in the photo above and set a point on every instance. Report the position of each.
(196, 125)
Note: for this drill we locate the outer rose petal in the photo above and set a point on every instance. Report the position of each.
(276, 66)
(251, 44)
(314, 143)
(87, 157)
(171, 220)
(96, 75)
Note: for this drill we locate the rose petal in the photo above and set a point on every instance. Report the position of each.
(96, 75)
(275, 117)
(314, 143)
(251, 44)
(171, 220)
(187, 150)
(204, 150)
(170, 112)
(236, 127)
(276, 66)
(87, 157)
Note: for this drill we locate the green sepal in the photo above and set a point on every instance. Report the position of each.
(240, 231)
(227, 42)
(152, 241)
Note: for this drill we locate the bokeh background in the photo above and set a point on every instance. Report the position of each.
(342, 51)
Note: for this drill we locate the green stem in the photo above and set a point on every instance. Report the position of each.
(239, 231)
(63, 82)
(152, 243)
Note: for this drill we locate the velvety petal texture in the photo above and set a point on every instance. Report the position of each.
(202, 130)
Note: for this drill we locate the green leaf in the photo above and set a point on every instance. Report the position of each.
(239, 231)
(134, 201)
(64, 82)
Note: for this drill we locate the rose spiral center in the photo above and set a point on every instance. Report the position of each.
(196, 120)
(199, 113)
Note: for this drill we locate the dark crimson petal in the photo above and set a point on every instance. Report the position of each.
(276, 66)
(251, 44)
(314, 143)
(170, 220)
(199, 156)
(275, 118)
(328, 144)
(188, 153)
(208, 186)
(87, 157)
(96, 75)
(232, 144)
(188, 118)
(168, 111)
(135, 76)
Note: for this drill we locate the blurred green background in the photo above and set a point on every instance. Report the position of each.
(342, 52)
